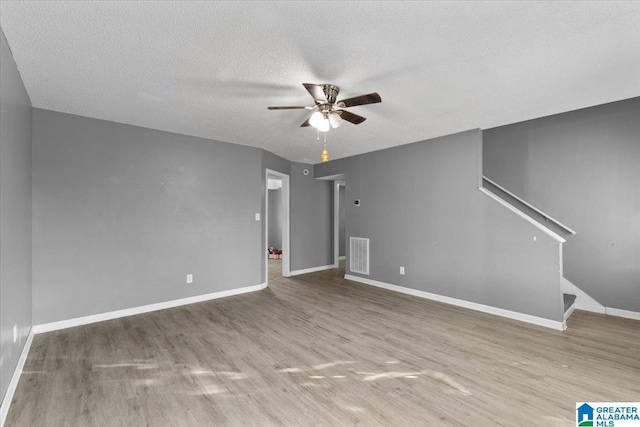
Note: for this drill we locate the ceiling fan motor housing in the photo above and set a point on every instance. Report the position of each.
(331, 92)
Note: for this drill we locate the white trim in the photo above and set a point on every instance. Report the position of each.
(79, 321)
(529, 205)
(339, 176)
(592, 308)
(342, 258)
(8, 397)
(523, 215)
(312, 270)
(568, 313)
(462, 303)
(622, 313)
(616, 312)
(561, 293)
(286, 224)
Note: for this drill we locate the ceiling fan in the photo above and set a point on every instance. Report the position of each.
(331, 112)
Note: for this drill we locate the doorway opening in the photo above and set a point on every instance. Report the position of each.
(339, 206)
(276, 225)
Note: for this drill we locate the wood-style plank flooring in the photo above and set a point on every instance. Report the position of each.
(317, 350)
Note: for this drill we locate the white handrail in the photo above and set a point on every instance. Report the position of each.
(523, 215)
(548, 217)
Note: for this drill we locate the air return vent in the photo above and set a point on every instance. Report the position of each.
(359, 255)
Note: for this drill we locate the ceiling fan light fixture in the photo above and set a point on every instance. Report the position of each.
(324, 125)
(316, 119)
(335, 120)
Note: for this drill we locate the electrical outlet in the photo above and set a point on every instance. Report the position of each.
(189, 278)
(15, 333)
(257, 216)
(402, 270)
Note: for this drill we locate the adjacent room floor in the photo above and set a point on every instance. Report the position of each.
(319, 350)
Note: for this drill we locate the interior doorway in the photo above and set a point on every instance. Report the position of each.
(276, 223)
(339, 217)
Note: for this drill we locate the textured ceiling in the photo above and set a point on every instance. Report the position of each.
(210, 69)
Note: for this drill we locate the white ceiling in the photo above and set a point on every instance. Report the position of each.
(210, 69)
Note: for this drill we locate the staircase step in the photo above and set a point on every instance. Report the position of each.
(569, 299)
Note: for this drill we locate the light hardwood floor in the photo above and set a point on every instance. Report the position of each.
(318, 350)
(275, 269)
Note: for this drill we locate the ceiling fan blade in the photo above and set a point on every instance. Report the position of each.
(316, 92)
(306, 123)
(291, 107)
(350, 117)
(371, 98)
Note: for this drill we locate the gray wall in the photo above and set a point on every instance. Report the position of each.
(341, 220)
(121, 214)
(275, 218)
(15, 214)
(583, 168)
(275, 163)
(311, 219)
(421, 208)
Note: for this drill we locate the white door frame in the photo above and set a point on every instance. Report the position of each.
(285, 223)
(336, 221)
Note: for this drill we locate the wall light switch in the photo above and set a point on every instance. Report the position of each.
(402, 270)
(257, 216)
(189, 278)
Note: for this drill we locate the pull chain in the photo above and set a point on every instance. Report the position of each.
(318, 136)
(325, 153)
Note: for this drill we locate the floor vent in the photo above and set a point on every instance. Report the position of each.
(359, 255)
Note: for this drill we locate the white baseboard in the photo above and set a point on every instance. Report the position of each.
(570, 311)
(343, 257)
(8, 397)
(609, 311)
(622, 313)
(79, 321)
(311, 270)
(592, 308)
(557, 325)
